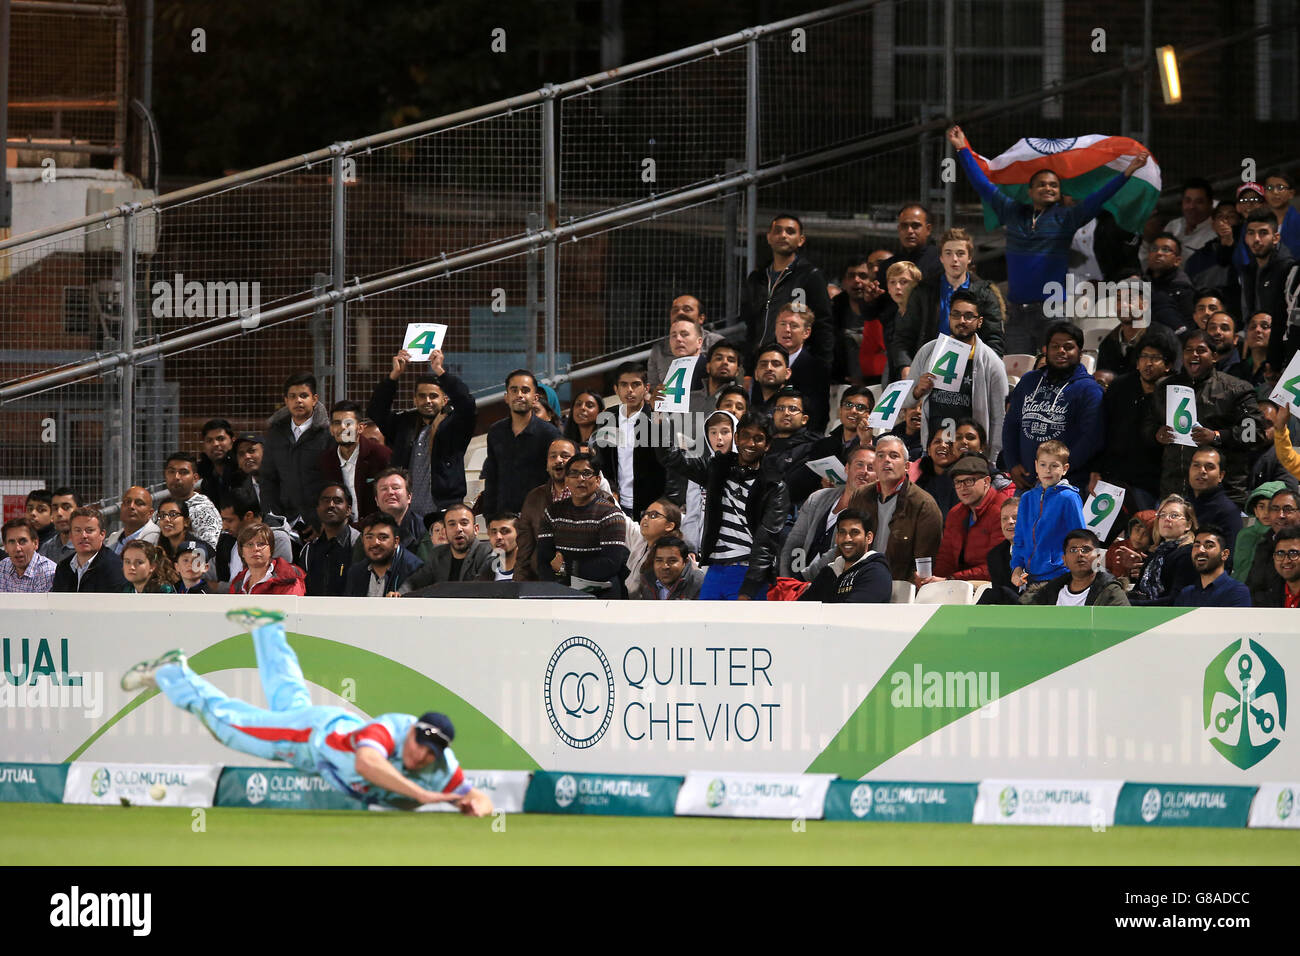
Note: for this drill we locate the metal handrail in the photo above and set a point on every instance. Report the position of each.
(500, 107)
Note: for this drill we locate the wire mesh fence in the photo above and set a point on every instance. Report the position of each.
(848, 110)
(68, 75)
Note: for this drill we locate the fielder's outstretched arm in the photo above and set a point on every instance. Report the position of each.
(372, 765)
(377, 770)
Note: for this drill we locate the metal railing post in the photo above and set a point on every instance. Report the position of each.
(751, 153)
(551, 212)
(338, 263)
(126, 460)
(949, 99)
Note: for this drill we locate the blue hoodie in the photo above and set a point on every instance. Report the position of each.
(1042, 410)
(1045, 517)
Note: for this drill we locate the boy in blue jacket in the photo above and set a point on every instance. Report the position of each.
(1047, 511)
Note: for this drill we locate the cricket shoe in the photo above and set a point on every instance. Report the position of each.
(141, 676)
(252, 618)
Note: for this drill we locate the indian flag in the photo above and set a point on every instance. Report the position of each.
(1083, 164)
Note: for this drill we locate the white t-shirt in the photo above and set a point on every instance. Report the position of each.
(1066, 598)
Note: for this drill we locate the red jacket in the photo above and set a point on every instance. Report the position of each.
(964, 550)
(285, 578)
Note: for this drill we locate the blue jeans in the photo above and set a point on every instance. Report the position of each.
(722, 582)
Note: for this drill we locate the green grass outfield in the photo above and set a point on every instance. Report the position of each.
(82, 835)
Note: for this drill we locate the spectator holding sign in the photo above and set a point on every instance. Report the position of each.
(1131, 458)
(429, 440)
(1226, 417)
(930, 306)
(980, 393)
(680, 340)
(1061, 403)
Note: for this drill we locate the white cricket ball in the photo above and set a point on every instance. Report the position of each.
(157, 791)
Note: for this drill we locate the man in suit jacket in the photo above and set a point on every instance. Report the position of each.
(624, 447)
(91, 568)
(808, 373)
(387, 565)
(354, 460)
(462, 558)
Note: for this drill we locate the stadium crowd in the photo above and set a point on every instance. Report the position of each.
(981, 474)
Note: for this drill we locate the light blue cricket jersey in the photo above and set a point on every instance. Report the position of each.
(335, 746)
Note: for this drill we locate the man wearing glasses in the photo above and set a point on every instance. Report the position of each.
(586, 532)
(1283, 513)
(1282, 588)
(983, 388)
(1083, 585)
(855, 408)
(1279, 191)
(973, 526)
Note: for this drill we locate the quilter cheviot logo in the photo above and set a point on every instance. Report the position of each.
(1244, 703)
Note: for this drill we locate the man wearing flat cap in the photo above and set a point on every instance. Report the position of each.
(972, 527)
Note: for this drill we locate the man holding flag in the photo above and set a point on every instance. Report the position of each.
(1039, 232)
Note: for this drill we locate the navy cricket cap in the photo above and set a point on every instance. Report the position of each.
(435, 731)
(200, 548)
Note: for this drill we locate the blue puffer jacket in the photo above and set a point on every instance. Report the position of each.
(1045, 517)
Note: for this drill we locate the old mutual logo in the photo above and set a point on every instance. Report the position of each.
(566, 788)
(1285, 803)
(579, 692)
(255, 789)
(716, 795)
(1245, 703)
(1008, 801)
(1151, 805)
(860, 800)
(100, 781)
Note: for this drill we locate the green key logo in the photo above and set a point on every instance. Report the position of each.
(1244, 703)
(100, 781)
(1008, 801)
